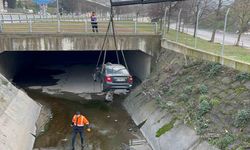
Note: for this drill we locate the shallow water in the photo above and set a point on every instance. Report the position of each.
(110, 123)
(112, 127)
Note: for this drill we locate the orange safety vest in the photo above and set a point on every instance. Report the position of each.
(80, 120)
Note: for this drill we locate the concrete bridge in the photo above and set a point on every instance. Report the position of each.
(19, 50)
(82, 42)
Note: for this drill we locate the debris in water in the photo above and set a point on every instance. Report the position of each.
(65, 140)
(102, 93)
(116, 120)
(109, 96)
(108, 116)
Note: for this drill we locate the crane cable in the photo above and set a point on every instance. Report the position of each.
(111, 24)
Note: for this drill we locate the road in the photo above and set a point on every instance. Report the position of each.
(229, 40)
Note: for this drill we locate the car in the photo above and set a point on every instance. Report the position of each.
(113, 77)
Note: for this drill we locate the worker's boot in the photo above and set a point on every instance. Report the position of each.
(82, 146)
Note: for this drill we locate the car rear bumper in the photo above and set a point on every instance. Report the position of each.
(114, 87)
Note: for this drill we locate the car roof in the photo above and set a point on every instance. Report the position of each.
(115, 65)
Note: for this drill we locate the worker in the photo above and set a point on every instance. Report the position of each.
(94, 24)
(78, 123)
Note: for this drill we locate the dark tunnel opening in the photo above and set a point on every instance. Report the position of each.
(22, 67)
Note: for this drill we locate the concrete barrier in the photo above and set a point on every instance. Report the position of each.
(180, 137)
(77, 42)
(18, 116)
(204, 55)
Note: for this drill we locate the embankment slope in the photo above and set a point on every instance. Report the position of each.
(190, 104)
(18, 116)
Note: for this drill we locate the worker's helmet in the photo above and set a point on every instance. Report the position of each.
(78, 113)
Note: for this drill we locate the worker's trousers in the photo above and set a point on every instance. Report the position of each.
(75, 131)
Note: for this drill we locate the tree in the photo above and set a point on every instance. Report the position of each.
(217, 16)
(242, 14)
(202, 8)
(156, 11)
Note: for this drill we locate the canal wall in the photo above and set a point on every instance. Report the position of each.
(143, 106)
(180, 137)
(205, 55)
(18, 116)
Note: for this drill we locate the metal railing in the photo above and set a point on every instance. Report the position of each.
(71, 24)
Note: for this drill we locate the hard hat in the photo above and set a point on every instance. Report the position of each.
(78, 112)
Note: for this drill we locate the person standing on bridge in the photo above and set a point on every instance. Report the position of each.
(94, 22)
(78, 123)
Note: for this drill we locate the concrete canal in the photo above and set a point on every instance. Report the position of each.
(112, 127)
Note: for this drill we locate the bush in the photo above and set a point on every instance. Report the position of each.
(203, 89)
(184, 97)
(170, 92)
(190, 79)
(215, 102)
(225, 141)
(214, 70)
(243, 76)
(204, 107)
(188, 90)
(242, 118)
(201, 125)
(203, 98)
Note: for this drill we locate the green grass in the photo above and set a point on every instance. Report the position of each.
(79, 27)
(167, 127)
(234, 52)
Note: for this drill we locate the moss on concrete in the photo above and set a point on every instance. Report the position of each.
(167, 127)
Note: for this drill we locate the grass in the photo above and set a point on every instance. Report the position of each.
(167, 127)
(234, 52)
(79, 27)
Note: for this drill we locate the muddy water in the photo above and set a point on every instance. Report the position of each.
(112, 127)
(110, 123)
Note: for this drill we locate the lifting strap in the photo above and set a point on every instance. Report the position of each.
(111, 25)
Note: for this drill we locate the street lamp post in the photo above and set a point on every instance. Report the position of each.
(224, 34)
(164, 24)
(58, 17)
(197, 28)
(57, 9)
(177, 25)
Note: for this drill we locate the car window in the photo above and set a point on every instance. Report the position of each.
(117, 70)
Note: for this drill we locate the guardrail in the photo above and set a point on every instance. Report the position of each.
(12, 16)
(200, 54)
(70, 25)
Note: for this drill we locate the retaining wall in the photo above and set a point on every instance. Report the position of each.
(197, 53)
(18, 116)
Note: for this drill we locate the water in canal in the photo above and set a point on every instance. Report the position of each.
(112, 127)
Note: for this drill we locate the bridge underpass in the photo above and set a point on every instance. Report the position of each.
(72, 70)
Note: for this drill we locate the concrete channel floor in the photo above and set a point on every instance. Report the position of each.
(77, 79)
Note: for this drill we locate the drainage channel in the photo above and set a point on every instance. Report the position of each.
(112, 127)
